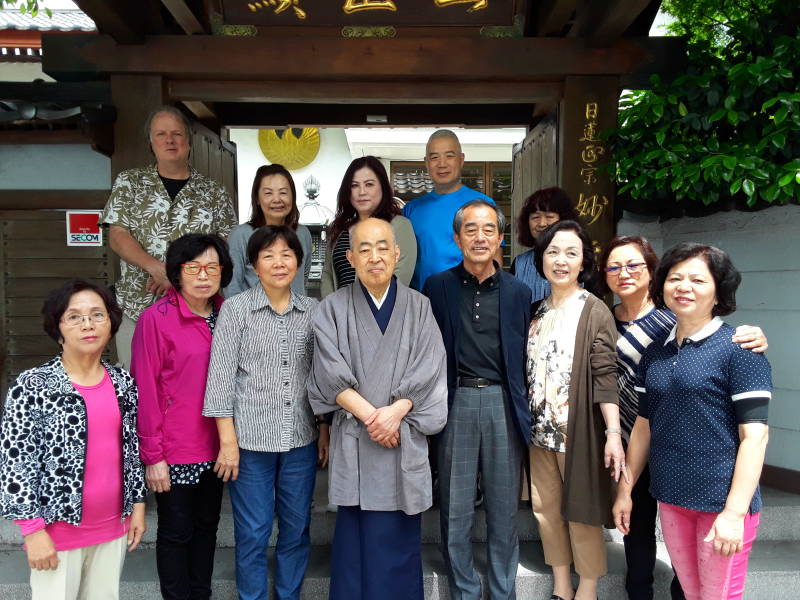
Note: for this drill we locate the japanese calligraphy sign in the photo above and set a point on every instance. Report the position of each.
(337, 13)
(590, 108)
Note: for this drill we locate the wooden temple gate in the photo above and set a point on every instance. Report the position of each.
(554, 66)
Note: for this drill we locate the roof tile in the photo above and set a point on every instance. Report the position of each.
(62, 20)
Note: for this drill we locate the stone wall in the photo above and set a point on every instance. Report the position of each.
(765, 247)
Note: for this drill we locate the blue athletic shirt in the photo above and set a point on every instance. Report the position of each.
(432, 218)
(695, 397)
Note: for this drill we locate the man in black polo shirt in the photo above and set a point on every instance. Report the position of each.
(483, 314)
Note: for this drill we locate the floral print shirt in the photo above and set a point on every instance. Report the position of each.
(551, 343)
(139, 202)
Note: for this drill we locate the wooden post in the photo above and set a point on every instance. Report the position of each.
(134, 96)
(588, 108)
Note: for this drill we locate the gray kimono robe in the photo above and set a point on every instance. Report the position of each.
(408, 361)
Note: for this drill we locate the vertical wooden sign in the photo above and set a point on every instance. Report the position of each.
(589, 107)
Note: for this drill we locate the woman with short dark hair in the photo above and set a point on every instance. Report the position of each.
(540, 210)
(170, 353)
(256, 390)
(273, 202)
(703, 425)
(69, 455)
(365, 192)
(626, 267)
(575, 433)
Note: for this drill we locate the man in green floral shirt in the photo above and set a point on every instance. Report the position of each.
(151, 206)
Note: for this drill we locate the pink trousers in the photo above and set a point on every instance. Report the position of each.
(704, 575)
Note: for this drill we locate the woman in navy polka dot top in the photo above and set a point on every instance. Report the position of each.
(626, 267)
(703, 420)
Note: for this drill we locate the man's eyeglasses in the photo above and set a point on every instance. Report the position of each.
(194, 269)
(631, 268)
(76, 320)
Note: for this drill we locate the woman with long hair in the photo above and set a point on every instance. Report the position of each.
(365, 192)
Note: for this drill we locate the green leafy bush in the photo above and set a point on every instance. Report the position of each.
(727, 131)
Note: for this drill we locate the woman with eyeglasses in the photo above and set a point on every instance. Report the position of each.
(70, 471)
(627, 265)
(170, 355)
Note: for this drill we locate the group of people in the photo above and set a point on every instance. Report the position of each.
(423, 352)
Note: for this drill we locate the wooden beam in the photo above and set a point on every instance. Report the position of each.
(341, 115)
(553, 16)
(332, 59)
(52, 199)
(354, 92)
(42, 136)
(122, 20)
(184, 16)
(135, 96)
(603, 23)
(59, 92)
(204, 113)
(200, 109)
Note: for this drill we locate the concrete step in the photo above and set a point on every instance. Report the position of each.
(780, 520)
(774, 574)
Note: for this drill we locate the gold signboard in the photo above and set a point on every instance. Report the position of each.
(341, 13)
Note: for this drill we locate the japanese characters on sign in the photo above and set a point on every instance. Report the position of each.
(373, 12)
(591, 204)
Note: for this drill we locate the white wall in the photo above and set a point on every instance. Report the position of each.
(53, 167)
(765, 247)
(328, 167)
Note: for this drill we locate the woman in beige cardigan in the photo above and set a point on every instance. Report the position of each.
(572, 387)
(365, 192)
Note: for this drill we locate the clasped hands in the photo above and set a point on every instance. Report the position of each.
(383, 424)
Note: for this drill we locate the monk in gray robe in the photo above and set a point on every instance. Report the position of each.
(380, 368)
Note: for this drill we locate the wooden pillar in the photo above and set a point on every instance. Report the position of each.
(134, 96)
(589, 106)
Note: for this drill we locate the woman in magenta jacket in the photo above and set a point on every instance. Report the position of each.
(169, 360)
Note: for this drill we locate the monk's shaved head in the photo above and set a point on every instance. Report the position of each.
(373, 253)
(368, 224)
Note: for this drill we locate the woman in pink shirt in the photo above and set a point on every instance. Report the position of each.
(169, 360)
(69, 456)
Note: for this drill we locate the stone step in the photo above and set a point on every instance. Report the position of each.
(780, 520)
(774, 574)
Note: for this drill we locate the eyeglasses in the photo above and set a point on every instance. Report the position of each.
(631, 268)
(194, 269)
(76, 319)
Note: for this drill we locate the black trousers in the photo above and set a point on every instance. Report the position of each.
(186, 539)
(640, 544)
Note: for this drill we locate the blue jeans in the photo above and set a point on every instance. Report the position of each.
(271, 482)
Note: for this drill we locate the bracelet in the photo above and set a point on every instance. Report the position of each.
(615, 430)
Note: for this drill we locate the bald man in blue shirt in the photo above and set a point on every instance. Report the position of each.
(432, 214)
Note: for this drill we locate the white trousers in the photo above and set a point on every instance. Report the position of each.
(90, 573)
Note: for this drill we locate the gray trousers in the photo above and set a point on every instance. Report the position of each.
(123, 341)
(480, 436)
